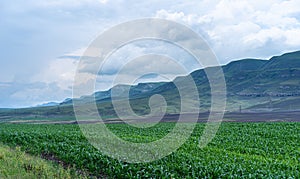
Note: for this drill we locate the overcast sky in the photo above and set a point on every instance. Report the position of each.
(41, 41)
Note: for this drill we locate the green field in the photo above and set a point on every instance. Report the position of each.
(249, 150)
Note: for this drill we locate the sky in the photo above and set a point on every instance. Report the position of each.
(41, 41)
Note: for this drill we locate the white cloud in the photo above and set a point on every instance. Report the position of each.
(66, 3)
(263, 36)
(292, 37)
(239, 29)
(59, 71)
(285, 8)
(189, 19)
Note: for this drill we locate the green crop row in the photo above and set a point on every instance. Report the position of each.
(239, 150)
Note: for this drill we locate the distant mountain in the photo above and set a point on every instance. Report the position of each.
(252, 84)
(48, 104)
(119, 91)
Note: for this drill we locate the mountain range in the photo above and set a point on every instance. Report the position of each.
(253, 85)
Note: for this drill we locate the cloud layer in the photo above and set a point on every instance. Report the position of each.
(42, 40)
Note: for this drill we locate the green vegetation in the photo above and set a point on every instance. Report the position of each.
(239, 150)
(16, 164)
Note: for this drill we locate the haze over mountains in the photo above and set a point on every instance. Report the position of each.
(252, 85)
